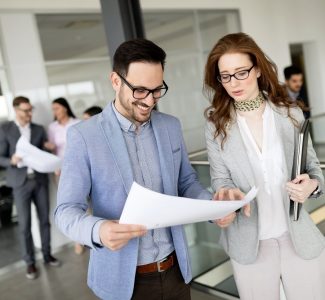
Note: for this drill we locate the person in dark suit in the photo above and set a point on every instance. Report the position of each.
(294, 84)
(27, 184)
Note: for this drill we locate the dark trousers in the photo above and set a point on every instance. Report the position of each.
(168, 285)
(32, 191)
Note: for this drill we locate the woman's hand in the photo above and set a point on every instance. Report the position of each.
(230, 194)
(301, 188)
(49, 146)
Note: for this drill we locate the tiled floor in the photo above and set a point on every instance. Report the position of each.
(9, 245)
(67, 282)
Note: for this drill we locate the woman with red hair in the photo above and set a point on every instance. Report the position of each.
(251, 136)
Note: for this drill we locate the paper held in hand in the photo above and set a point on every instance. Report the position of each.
(155, 210)
(35, 158)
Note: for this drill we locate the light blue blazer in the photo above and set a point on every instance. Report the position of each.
(230, 168)
(97, 163)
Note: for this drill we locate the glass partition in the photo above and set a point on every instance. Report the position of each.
(83, 83)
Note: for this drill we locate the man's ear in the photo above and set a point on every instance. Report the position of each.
(116, 81)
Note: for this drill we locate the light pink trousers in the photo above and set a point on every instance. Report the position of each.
(277, 261)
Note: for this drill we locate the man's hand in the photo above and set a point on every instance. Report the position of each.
(301, 188)
(114, 236)
(15, 160)
(230, 194)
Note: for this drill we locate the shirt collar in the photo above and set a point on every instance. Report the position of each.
(125, 124)
(27, 126)
(292, 94)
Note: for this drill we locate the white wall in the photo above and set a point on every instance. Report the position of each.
(273, 24)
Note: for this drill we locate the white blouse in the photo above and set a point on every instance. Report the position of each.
(269, 169)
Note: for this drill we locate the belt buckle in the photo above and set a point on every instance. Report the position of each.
(159, 262)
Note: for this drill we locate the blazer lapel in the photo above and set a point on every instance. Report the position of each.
(165, 153)
(237, 152)
(14, 131)
(33, 134)
(115, 140)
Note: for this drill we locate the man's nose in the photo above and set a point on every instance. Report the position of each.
(150, 100)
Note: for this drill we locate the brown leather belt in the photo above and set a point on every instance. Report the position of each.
(158, 266)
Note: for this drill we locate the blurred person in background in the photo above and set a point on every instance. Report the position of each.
(57, 131)
(27, 184)
(294, 84)
(91, 111)
(57, 135)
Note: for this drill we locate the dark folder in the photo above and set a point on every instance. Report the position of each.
(299, 166)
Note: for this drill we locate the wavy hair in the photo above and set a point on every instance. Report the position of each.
(219, 112)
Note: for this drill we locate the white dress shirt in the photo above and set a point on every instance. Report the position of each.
(269, 169)
(25, 131)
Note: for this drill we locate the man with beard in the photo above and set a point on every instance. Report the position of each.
(28, 185)
(294, 80)
(129, 141)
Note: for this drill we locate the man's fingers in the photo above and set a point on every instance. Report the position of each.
(117, 227)
(125, 236)
(114, 235)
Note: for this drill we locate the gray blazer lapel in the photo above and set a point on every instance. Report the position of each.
(33, 134)
(237, 152)
(14, 132)
(165, 153)
(115, 140)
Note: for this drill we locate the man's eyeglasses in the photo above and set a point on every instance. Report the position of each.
(140, 93)
(240, 75)
(26, 111)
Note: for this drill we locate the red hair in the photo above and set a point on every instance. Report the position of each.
(219, 110)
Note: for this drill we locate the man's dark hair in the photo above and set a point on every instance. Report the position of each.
(137, 50)
(291, 70)
(19, 99)
(93, 110)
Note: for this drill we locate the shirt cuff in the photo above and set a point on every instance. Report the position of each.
(95, 234)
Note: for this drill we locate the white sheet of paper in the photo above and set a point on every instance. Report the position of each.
(36, 159)
(155, 210)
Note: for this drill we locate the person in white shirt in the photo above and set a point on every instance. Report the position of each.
(57, 131)
(251, 133)
(57, 135)
(28, 185)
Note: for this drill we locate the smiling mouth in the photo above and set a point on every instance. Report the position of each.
(143, 107)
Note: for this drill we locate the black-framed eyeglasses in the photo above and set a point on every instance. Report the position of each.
(141, 93)
(26, 111)
(240, 75)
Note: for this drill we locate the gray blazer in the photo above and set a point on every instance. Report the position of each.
(230, 167)
(9, 135)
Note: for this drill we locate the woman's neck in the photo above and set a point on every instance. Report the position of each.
(251, 107)
(64, 120)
